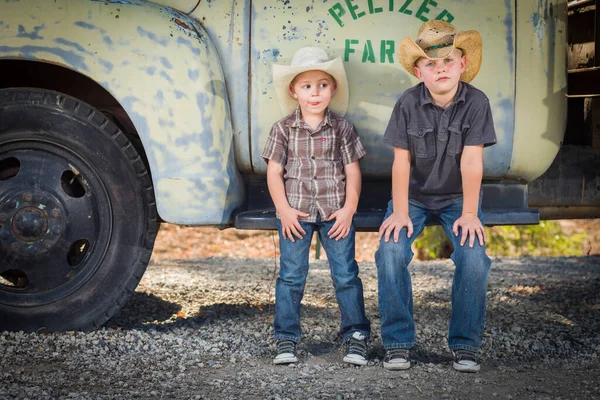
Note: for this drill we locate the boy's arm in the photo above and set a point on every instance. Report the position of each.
(471, 169)
(343, 216)
(290, 226)
(400, 179)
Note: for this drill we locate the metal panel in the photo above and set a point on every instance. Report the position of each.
(366, 34)
(185, 6)
(228, 24)
(503, 204)
(540, 101)
(163, 69)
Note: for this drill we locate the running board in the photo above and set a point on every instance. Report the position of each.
(371, 220)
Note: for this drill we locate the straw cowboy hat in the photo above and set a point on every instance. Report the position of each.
(308, 59)
(436, 40)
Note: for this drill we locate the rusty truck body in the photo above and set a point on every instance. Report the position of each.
(118, 115)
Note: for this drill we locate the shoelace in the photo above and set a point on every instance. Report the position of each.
(465, 355)
(356, 346)
(286, 346)
(397, 353)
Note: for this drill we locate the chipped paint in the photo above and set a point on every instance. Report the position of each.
(540, 101)
(189, 144)
(508, 23)
(228, 25)
(200, 91)
(362, 37)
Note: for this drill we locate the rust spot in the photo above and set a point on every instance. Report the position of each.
(181, 24)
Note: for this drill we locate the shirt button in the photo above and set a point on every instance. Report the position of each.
(313, 157)
(312, 135)
(315, 177)
(443, 130)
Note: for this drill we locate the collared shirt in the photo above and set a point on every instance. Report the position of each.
(314, 161)
(435, 137)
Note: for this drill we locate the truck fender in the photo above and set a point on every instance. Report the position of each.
(163, 69)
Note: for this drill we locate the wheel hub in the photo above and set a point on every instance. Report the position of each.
(30, 223)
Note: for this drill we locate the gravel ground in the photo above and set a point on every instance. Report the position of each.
(201, 328)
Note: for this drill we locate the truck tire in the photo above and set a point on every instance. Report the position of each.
(77, 213)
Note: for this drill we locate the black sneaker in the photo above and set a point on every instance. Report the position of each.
(357, 349)
(286, 352)
(396, 359)
(466, 361)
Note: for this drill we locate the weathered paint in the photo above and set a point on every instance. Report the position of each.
(185, 6)
(142, 54)
(175, 83)
(228, 25)
(366, 34)
(540, 99)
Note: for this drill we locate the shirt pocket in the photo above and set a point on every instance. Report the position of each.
(455, 139)
(330, 147)
(422, 141)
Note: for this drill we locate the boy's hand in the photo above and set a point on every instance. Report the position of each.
(290, 226)
(341, 227)
(395, 223)
(471, 226)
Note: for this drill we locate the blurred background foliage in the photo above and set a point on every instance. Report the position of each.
(546, 239)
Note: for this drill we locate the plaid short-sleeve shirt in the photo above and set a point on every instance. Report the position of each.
(314, 161)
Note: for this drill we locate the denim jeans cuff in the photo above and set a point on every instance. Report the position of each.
(348, 335)
(287, 337)
(463, 347)
(407, 345)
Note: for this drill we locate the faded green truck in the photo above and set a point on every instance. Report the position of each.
(118, 115)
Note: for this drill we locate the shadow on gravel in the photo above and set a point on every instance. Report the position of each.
(142, 308)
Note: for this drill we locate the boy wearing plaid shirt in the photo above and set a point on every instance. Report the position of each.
(314, 180)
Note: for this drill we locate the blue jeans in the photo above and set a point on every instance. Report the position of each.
(467, 320)
(293, 270)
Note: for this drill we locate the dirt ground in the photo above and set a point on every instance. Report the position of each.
(180, 242)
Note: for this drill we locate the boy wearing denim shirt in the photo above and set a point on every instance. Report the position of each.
(314, 180)
(438, 129)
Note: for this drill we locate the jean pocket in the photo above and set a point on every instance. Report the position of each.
(422, 141)
(455, 139)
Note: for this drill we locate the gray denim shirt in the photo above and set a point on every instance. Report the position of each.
(435, 138)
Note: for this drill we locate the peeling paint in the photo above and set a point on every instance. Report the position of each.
(508, 23)
(146, 40)
(30, 53)
(71, 44)
(166, 76)
(165, 62)
(31, 35)
(184, 42)
(152, 36)
(193, 74)
(85, 25)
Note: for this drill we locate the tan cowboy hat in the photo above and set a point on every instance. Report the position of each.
(435, 40)
(308, 59)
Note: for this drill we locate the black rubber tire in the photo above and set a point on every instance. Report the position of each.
(41, 134)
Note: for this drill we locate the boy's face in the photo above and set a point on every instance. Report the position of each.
(441, 76)
(313, 90)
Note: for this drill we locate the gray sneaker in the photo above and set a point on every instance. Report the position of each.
(396, 359)
(466, 361)
(357, 349)
(286, 352)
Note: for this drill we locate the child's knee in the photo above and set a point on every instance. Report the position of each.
(393, 254)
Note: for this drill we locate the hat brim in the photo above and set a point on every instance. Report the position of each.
(468, 41)
(283, 76)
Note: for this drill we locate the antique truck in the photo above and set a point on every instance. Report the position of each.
(117, 115)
